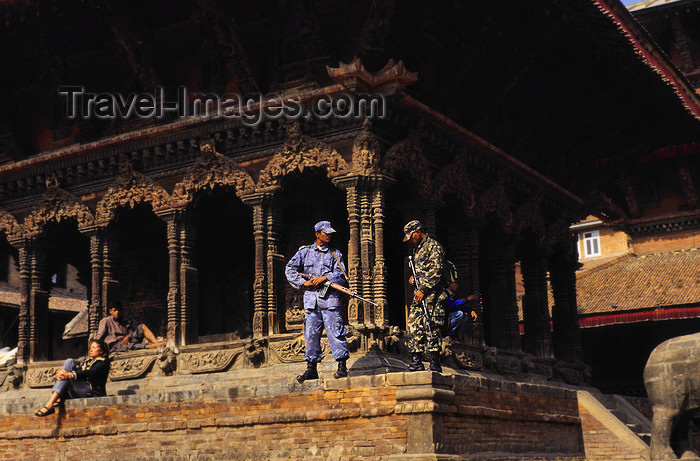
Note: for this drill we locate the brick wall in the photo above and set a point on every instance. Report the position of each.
(677, 241)
(364, 417)
(606, 438)
(516, 418)
(317, 424)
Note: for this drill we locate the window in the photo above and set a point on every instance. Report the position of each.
(591, 244)
(59, 278)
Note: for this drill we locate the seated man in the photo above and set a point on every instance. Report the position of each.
(455, 309)
(121, 336)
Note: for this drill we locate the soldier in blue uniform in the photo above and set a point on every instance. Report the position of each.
(321, 307)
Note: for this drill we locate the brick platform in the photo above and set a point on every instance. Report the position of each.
(264, 414)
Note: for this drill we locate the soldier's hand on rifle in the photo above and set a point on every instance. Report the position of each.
(316, 281)
(418, 296)
(410, 280)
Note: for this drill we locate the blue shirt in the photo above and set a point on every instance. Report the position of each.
(318, 262)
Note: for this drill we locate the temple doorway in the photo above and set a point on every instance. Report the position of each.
(224, 259)
(140, 254)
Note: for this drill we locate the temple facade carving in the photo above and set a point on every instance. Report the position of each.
(216, 231)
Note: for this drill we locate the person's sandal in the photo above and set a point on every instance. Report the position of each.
(41, 414)
(58, 404)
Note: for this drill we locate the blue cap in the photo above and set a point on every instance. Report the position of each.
(324, 226)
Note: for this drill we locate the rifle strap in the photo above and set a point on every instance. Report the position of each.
(308, 247)
(341, 266)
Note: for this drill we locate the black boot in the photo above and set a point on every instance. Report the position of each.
(310, 372)
(416, 363)
(435, 362)
(342, 369)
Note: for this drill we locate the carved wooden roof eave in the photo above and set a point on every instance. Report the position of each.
(650, 55)
(9, 225)
(210, 170)
(407, 156)
(57, 205)
(454, 178)
(129, 189)
(391, 79)
(299, 152)
(494, 201)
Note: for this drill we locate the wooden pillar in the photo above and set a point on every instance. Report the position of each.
(186, 317)
(501, 310)
(354, 269)
(23, 351)
(110, 284)
(471, 236)
(260, 297)
(96, 310)
(566, 335)
(381, 317)
(538, 335)
(365, 288)
(175, 316)
(275, 269)
(429, 208)
(39, 332)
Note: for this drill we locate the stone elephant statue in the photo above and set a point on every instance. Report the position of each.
(672, 381)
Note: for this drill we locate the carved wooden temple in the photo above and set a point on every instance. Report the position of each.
(188, 222)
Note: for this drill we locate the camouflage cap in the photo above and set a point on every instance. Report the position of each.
(410, 228)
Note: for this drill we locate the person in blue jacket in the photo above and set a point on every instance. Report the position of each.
(321, 303)
(456, 309)
(86, 380)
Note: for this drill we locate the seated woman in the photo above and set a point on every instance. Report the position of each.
(121, 336)
(86, 380)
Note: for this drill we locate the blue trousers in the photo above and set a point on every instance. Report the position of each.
(69, 389)
(315, 321)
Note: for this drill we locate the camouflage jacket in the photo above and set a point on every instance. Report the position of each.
(428, 259)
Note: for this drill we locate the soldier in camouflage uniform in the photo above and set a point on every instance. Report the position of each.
(428, 260)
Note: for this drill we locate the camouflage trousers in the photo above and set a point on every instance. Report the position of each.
(419, 335)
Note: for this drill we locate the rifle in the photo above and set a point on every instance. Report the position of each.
(422, 302)
(327, 284)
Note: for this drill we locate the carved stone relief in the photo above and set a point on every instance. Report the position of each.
(130, 367)
(255, 352)
(299, 152)
(130, 189)
(294, 312)
(42, 377)
(365, 151)
(295, 349)
(469, 359)
(211, 361)
(211, 169)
